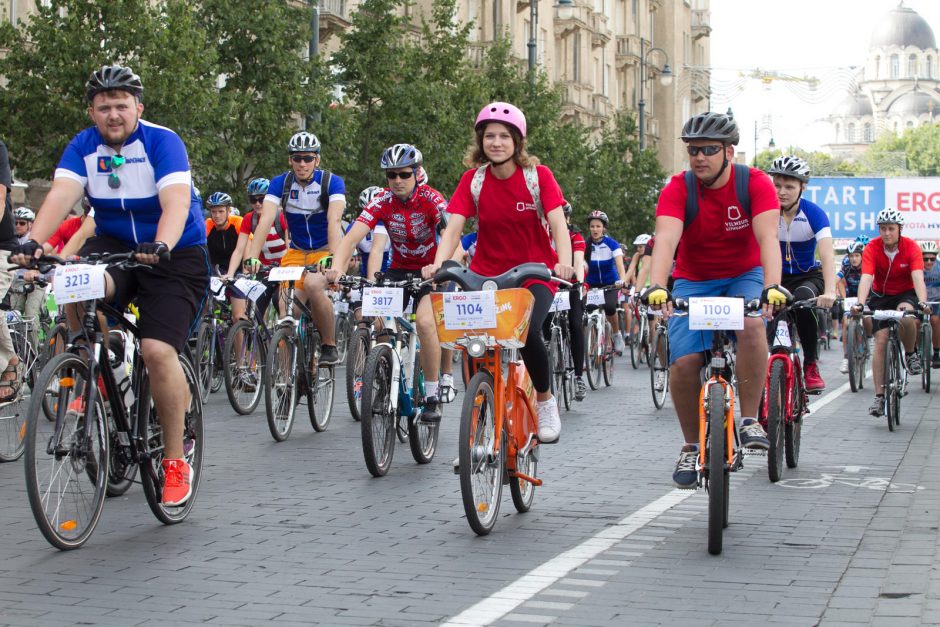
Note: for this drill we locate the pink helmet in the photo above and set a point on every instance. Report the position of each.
(504, 113)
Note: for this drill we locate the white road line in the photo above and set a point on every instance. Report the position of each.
(502, 602)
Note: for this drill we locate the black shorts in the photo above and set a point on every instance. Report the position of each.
(890, 301)
(405, 275)
(169, 295)
(810, 281)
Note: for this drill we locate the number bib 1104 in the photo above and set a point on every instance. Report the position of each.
(77, 283)
(383, 301)
(711, 313)
(470, 310)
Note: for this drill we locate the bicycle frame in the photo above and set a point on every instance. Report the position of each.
(733, 455)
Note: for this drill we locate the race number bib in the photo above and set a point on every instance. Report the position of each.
(252, 289)
(290, 273)
(383, 301)
(470, 310)
(849, 302)
(887, 314)
(561, 302)
(596, 297)
(78, 282)
(782, 337)
(217, 288)
(711, 313)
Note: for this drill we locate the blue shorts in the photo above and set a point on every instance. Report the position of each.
(682, 340)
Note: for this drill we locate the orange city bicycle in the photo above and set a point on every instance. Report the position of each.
(498, 420)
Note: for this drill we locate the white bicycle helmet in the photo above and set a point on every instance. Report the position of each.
(368, 195)
(303, 142)
(642, 240)
(890, 216)
(24, 213)
(929, 246)
(790, 166)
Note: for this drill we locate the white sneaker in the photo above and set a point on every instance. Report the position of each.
(844, 368)
(549, 420)
(660, 383)
(447, 391)
(618, 343)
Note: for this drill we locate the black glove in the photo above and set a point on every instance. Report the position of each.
(27, 249)
(158, 249)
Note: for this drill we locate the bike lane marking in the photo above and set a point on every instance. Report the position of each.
(502, 602)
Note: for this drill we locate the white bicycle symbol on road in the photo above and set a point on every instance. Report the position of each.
(871, 483)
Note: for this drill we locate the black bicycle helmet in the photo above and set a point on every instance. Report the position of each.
(710, 125)
(113, 77)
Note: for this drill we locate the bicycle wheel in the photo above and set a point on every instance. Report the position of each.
(593, 357)
(481, 465)
(13, 412)
(343, 331)
(659, 369)
(556, 363)
(243, 359)
(643, 342)
(926, 352)
(522, 491)
(321, 391)
(793, 428)
(280, 386)
(854, 336)
(218, 367)
(634, 345)
(892, 382)
(607, 363)
(55, 345)
(717, 494)
(151, 475)
(776, 401)
(422, 438)
(567, 380)
(66, 458)
(205, 358)
(377, 418)
(355, 364)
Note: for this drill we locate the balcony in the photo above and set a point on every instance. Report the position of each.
(578, 97)
(602, 107)
(699, 83)
(334, 18)
(579, 18)
(476, 52)
(701, 23)
(628, 50)
(600, 33)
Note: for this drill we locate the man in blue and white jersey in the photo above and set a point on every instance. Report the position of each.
(137, 178)
(932, 279)
(314, 218)
(604, 258)
(804, 228)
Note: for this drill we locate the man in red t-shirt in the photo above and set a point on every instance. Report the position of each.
(723, 251)
(892, 278)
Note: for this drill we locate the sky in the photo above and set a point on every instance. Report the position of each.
(815, 38)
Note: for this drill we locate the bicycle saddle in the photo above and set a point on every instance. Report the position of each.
(472, 282)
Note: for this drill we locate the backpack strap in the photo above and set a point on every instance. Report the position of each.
(691, 198)
(742, 178)
(532, 182)
(285, 193)
(476, 185)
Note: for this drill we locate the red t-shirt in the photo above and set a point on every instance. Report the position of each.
(64, 233)
(577, 242)
(719, 244)
(274, 247)
(509, 227)
(892, 276)
(410, 225)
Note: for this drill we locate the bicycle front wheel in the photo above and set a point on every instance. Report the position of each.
(481, 464)
(355, 365)
(243, 359)
(892, 384)
(66, 457)
(377, 417)
(320, 390)
(280, 387)
(717, 494)
(204, 358)
(926, 352)
(555, 360)
(776, 409)
(607, 363)
(343, 331)
(594, 356)
(855, 353)
(659, 368)
(567, 381)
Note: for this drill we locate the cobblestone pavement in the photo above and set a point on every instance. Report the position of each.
(300, 533)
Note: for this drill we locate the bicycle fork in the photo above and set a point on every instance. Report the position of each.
(705, 427)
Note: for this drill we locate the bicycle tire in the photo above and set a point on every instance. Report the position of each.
(193, 444)
(477, 435)
(776, 417)
(280, 388)
(657, 366)
(243, 367)
(320, 391)
(56, 344)
(355, 363)
(854, 355)
(607, 364)
(891, 382)
(635, 347)
(218, 368)
(204, 358)
(567, 382)
(593, 358)
(523, 492)
(555, 362)
(378, 426)
(792, 433)
(61, 527)
(13, 412)
(643, 342)
(343, 331)
(717, 494)
(422, 438)
(926, 353)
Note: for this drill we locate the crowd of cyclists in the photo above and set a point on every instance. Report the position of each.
(721, 229)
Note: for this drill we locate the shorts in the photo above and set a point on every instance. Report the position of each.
(294, 257)
(890, 301)
(684, 341)
(169, 295)
(393, 274)
(800, 285)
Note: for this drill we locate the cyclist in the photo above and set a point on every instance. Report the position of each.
(576, 313)
(604, 257)
(639, 250)
(23, 221)
(850, 276)
(892, 278)
(137, 177)
(932, 279)
(376, 238)
(722, 252)
(314, 218)
(221, 233)
(804, 229)
(513, 229)
(410, 213)
(28, 303)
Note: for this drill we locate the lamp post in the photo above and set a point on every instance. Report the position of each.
(757, 130)
(313, 51)
(665, 79)
(533, 43)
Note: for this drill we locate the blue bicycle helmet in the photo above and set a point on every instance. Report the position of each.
(258, 186)
(219, 199)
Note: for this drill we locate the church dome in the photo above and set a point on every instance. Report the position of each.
(902, 27)
(913, 103)
(854, 106)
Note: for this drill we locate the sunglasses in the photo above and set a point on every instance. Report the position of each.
(303, 158)
(255, 199)
(929, 259)
(399, 175)
(708, 151)
(116, 162)
(21, 223)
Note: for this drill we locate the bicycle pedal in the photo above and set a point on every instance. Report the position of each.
(556, 441)
(815, 392)
(752, 452)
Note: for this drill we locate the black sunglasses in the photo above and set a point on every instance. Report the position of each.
(398, 175)
(304, 158)
(708, 151)
(21, 223)
(929, 259)
(254, 199)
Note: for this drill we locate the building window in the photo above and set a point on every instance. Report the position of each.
(912, 66)
(606, 86)
(850, 133)
(910, 124)
(576, 59)
(929, 68)
(869, 138)
(877, 67)
(895, 66)
(635, 7)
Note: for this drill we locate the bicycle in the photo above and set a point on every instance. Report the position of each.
(345, 321)
(599, 348)
(857, 349)
(91, 439)
(658, 359)
(12, 410)
(925, 348)
(895, 379)
(245, 350)
(210, 340)
(294, 347)
(639, 341)
(559, 353)
(393, 386)
(498, 441)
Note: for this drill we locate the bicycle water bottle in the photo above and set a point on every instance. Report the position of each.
(122, 367)
(406, 360)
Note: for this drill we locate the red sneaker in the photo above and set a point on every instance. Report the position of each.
(814, 382)
(176, 483)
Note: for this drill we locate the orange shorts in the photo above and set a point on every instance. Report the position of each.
(294, 257)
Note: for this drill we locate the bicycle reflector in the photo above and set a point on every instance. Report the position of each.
(476, 347)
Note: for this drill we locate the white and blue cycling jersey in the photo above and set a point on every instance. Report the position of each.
(365, 248)
(932, 279)
(602, 268)
(798, 241)
(469, 243)
(154, 158)
(304, 211)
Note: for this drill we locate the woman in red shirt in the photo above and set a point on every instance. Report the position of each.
(512, 230)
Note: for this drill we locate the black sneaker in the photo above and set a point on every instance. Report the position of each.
(685, 476)
(753, 435)
(431, 414)
(329, 356)
(935, 362)
(914, 366)
(877, 408)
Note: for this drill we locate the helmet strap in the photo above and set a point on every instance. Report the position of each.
(714, 179)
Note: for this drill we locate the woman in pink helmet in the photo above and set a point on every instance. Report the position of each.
(498, 191)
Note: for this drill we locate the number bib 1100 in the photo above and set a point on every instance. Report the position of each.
(77, 283)
(711, 313)
(383, 301)
(470, 310)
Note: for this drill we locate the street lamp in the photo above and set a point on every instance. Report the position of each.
(765, 126)
(665, 79)
(313, 51)
(533, 43)
(565, 9)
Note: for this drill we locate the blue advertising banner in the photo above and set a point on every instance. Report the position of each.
(851, 203)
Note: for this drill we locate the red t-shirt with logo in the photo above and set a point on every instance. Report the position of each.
(892, 276)
(510, 229)
(720, 243)
(410, 225)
